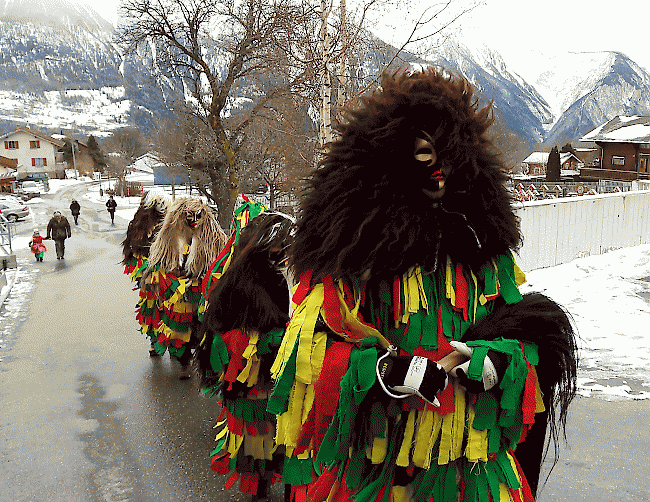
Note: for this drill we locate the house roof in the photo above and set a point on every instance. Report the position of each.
(8, 163)
(36, 134)
(622, 129)
(542, 158)
(146, 163)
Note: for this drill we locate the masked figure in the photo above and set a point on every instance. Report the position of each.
(412, 367)
(187, 243)
(241, 332)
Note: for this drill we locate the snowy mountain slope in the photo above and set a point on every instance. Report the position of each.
(522, 108)
(68, 75)
(61, 13)
(59, 70)
(617, 86)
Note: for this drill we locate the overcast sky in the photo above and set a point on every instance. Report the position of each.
(518, 29)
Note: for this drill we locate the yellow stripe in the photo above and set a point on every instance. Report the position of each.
(403, 458)
(378, 450)
(453, 426)
(302, 322)
(520, 277)
(449, 280)
(477, 442)
(429, 425)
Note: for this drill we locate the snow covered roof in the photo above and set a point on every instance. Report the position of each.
(622, 129)
(146, 163)
(542, 158)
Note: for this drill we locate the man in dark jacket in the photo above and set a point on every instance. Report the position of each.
(75, 209)
(111, 205)
(58, 229)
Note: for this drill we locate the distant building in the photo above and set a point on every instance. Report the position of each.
(535, 164)
(35, 152)
(143, 168)
(8, 168)
(624, 144)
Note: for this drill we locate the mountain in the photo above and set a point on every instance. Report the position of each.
(616, 85)
(60, 71)
(516, 102)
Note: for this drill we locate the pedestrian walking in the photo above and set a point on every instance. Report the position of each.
(111, 205)
(58, 229)
(75, 209)
(36, 245)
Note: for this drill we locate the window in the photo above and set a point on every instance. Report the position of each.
(644, 164)
(11, 145)
(618, 161)
(39, 162)
(34, 144)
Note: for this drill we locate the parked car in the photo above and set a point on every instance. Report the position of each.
(13, 212)
(28, 190)
(11, 198)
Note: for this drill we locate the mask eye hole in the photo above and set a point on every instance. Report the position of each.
(424, 152)
(192, 217)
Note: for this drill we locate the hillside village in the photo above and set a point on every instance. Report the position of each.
(614, 157)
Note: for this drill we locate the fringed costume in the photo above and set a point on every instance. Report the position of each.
(403, 248)
(242, 328)
(241, 217)
(141, 232)
(189, 240)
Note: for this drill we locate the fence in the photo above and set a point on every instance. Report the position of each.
(557, 231)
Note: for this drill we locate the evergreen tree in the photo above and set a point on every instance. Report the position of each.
(553, 165)
(96, 153)
(568, 148)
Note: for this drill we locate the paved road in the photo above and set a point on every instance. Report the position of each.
(85, 414)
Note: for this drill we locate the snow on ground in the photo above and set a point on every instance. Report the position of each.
(607, 295)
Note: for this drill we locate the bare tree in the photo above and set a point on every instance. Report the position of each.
(345, 35)
(170, 138)
(218, 47)
(281, 149)
(123, 146)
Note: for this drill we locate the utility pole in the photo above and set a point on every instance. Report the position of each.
(74, 160)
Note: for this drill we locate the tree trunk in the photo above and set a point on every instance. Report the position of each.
(326, 88)
(343, 80)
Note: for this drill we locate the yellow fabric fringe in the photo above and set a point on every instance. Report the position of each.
(453, 427)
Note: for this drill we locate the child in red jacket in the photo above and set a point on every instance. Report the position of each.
(37, 246)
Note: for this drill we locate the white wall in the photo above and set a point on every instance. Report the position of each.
(559, 230)
(24, 153)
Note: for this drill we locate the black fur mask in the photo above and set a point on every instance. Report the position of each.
(411, 180)
(142, 229)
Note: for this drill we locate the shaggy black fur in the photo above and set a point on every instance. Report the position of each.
(539, 320)
(252, 294)
(366, 209)
(141, 231)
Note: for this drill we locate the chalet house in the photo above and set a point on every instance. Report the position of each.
(536, 163)
(35, 152)
(8, 168)
(624, 144)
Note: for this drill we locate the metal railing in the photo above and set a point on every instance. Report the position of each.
(7, 231)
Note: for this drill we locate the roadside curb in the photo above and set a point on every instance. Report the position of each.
(10, 276)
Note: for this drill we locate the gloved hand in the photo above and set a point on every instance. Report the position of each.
(493, 367)
(404, 376)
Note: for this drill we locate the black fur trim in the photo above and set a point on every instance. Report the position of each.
(365, 210)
